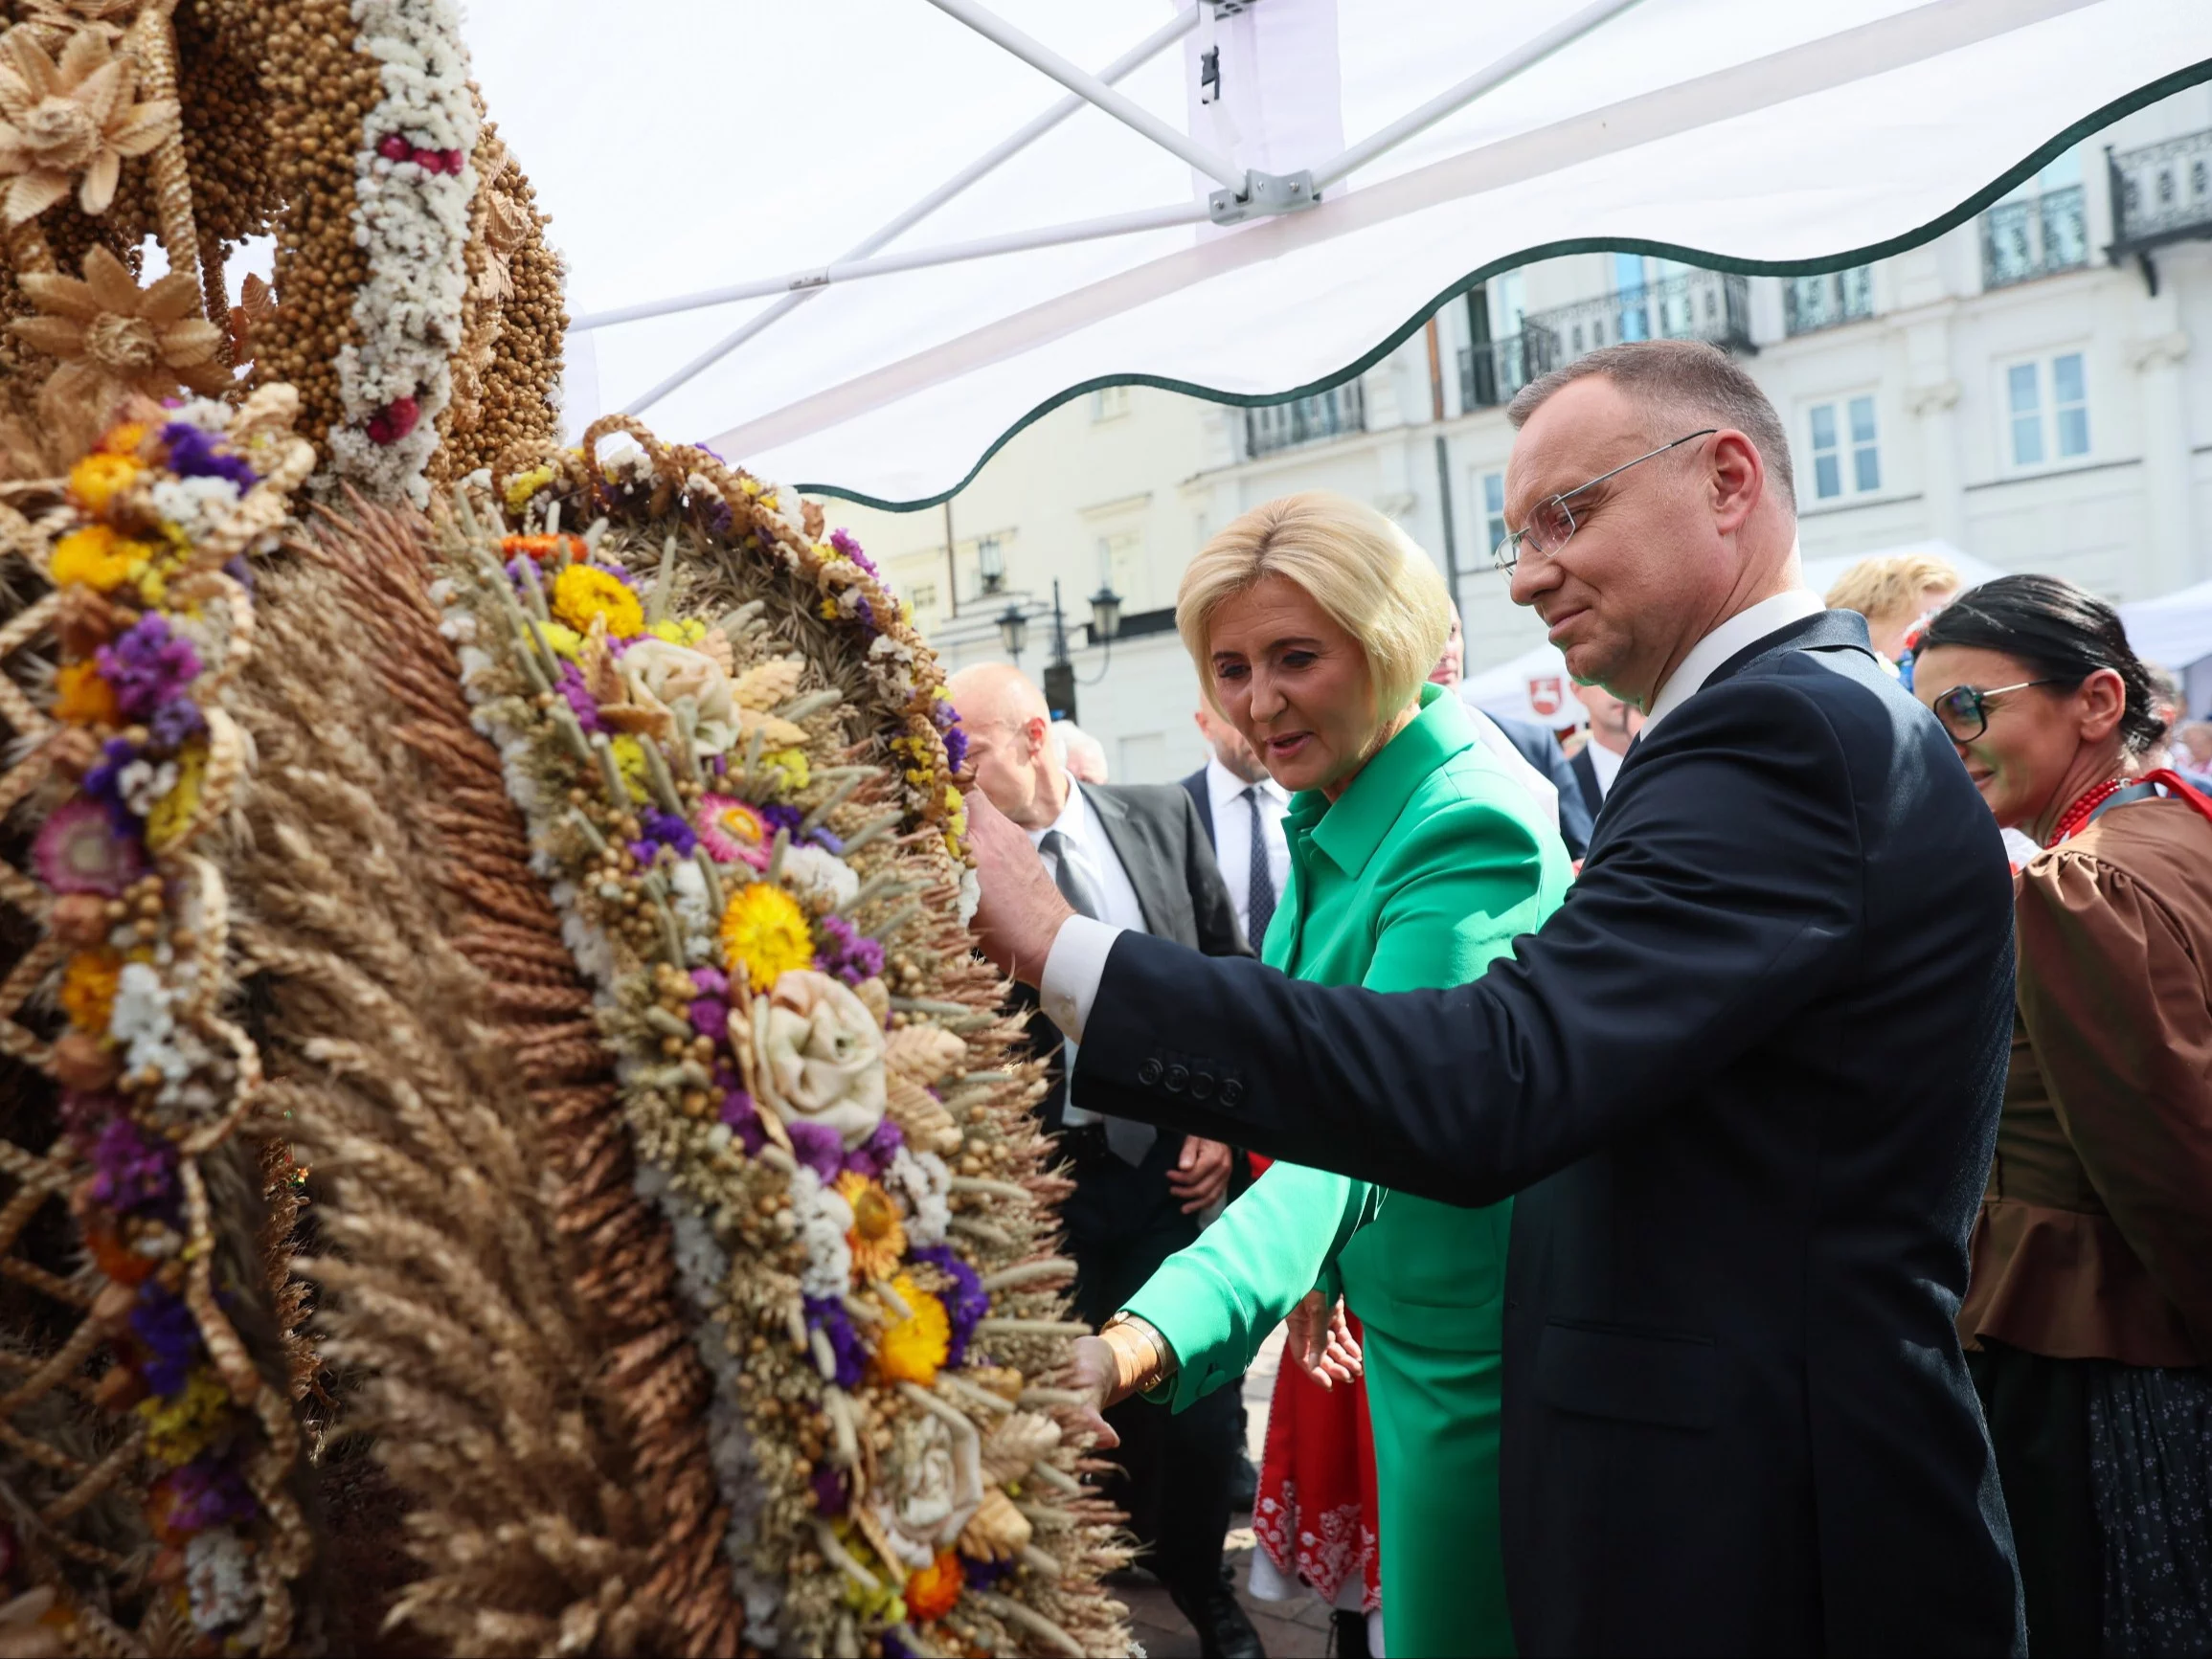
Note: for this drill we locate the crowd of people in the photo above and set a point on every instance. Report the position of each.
(1781, 1223)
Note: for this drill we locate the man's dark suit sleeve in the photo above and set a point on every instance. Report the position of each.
(1724, 896)
(1576, 821)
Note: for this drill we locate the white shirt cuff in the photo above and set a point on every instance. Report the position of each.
(1077, 963)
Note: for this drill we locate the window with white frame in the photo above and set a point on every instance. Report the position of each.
(1846, 448)
(924, 598)
(1109, 403)
(1493, 510)
(2046, 402)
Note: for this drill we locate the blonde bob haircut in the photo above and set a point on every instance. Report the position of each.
(1359, 567)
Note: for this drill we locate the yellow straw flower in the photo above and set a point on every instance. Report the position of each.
(95, 556)
(912, 1349)
(98, 479)
(686, 633)
(124, 439)
(178, 1430)
(764, 934)
(82, 697)
(525, 485)
(630, 762)
(173, 815)
(877, 1236)
(583, 592)
(88, 989)
(560, 641)
(791, 765)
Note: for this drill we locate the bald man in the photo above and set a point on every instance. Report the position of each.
(1134, 856)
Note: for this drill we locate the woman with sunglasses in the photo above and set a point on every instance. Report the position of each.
(2089, 1316)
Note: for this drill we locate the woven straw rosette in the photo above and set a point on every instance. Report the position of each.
(505, 1145)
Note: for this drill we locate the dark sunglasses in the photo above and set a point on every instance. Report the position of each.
(1964, 710)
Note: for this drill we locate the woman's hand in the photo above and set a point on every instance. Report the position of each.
(1093, 1374)
(1320, 1342)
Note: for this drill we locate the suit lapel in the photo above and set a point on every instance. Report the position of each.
(1198, 786)
(1139, 859)
(1822, 631)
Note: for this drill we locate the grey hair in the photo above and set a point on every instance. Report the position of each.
(1685, 378)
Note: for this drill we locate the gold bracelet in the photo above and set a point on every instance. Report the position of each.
(1142, 1358)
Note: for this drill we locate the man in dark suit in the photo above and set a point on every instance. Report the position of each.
(1745, 1081)
(1612, 727)
(1136, 858)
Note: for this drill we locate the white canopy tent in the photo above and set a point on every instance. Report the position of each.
(2175, 630)
(1534, 686)
(855, 245)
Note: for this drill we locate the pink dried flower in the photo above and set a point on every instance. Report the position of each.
(78, 850)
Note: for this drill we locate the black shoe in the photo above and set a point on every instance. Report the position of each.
(1243, 1484)
(1224, 1632)
(1349, 1631)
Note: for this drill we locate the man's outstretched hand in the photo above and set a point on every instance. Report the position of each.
(1022, 911)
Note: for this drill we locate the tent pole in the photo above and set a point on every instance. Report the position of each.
(917, 260)
(1136, 57)
(1042, 58)
(1525, 56)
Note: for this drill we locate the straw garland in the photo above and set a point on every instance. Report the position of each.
(756, 858)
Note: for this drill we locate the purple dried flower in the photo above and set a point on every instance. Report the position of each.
(164, 1327)
(873, 1155)
(580, 701)
(849, 955)
(103, 783)
(711, 1018)
(131, 1170)
(176, 723)
(864, 614)
(828, 1317)
(830, 1496)
(239, 571)
(966, 1299)
(844, 543)
(817, 1145)
(778, 816)
(710, 981)
(206, 1493)
(147, 665)
(982, 1575)
(955, 749)
(666, 829)
(739, 1112)
(193, 453)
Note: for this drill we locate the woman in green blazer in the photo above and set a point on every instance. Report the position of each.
(1416, 860)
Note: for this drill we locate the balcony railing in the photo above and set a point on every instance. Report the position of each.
(2034, 237)
(1709, 305)
(1492, 370)
(2161, 193)
(1810, 303)
(1325, 415)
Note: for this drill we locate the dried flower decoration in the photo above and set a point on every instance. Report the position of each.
(71, 121)
(255, 309)
(113, 337)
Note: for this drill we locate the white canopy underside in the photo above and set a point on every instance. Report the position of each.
(697, 144)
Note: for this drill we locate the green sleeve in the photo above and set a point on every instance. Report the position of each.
(1460, 882)
(1217, 1300)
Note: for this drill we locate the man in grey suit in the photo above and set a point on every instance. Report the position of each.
(1133, 857)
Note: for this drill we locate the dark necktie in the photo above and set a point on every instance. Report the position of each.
(1260, 910)
(1127, 1140)
(1067, 876)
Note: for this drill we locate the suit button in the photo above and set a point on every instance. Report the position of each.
(1202, 1086)
(1232, 1091)
(1148, 1073)
(1177, 1076)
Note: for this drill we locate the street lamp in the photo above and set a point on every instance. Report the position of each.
(1013, 632)
(1105, 613)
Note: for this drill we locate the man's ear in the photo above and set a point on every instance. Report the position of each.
(1738, 479)
(1038, 730)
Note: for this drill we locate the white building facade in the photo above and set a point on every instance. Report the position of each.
(2033, 387)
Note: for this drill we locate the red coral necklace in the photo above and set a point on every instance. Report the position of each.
(2076, 817)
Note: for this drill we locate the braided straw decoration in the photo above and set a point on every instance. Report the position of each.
(153, 39)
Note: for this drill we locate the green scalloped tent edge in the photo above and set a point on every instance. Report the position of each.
(2165, 86)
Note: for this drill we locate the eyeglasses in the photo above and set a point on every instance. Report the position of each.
(1551, 521)
(1964, 710)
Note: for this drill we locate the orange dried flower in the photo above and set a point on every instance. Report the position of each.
(82, 697)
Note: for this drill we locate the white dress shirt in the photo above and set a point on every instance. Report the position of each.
(1744, 628)
(1604, 766)
(1233, 836)
(1077, 963)
(1084, 837)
